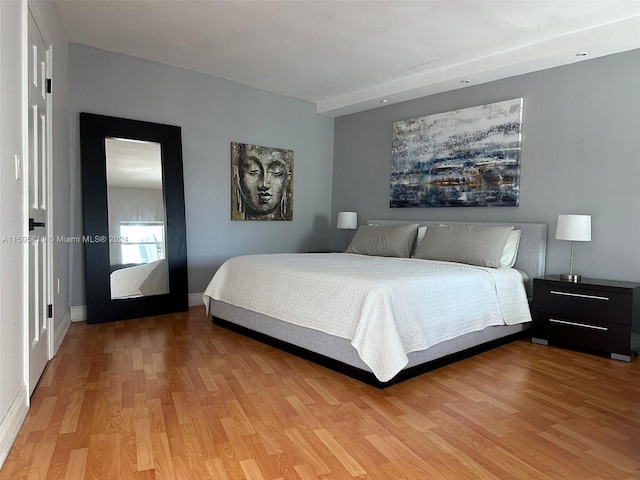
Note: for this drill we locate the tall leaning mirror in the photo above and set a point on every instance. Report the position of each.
(133, 210)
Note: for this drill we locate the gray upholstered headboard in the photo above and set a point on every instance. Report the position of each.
(531, 252)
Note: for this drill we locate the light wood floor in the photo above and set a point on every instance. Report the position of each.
(176, 397)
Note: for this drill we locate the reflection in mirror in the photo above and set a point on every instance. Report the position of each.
(137, 224)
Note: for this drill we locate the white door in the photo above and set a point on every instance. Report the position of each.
(38, 197)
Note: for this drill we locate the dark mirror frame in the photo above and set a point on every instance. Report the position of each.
(94, 129)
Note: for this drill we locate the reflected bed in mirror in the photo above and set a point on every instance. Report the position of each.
(133, 197)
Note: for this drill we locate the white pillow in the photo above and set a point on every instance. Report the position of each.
(510, 252)
(419, 238)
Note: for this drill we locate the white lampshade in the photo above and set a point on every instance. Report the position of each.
(576, 228)
(347, 220)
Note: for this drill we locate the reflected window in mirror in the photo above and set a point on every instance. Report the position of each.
(141, 242)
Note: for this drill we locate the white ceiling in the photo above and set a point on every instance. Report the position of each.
(347, 56)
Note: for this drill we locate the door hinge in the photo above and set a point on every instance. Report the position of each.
(48, 85)
(49, 311)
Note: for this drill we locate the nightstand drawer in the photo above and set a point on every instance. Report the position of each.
(590, 304)
(584, 333)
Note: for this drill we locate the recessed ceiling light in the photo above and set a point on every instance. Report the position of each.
(581, 54)
(384, 100)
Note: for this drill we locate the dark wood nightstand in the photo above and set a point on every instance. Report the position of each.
(600, 315)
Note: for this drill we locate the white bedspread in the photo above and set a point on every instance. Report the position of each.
(386, 307)
(140, 280)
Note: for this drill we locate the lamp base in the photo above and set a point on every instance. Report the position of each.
(570, 277)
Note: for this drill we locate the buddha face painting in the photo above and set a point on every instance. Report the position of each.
(262, 183)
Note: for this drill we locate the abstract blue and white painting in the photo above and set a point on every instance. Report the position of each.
(462, 158)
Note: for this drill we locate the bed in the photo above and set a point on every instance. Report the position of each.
(140, 280)
(405, 297)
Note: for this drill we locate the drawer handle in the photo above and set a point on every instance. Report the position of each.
(581, 295)
(575, 324)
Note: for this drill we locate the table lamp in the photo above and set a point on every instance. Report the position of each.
(347, 221)
(575, 228)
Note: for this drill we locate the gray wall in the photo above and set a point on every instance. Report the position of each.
(580, 154)
(212, 113)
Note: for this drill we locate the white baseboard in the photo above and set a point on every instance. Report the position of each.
(11, 423)
(195, 300)
(78, 313)
(61, 330)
